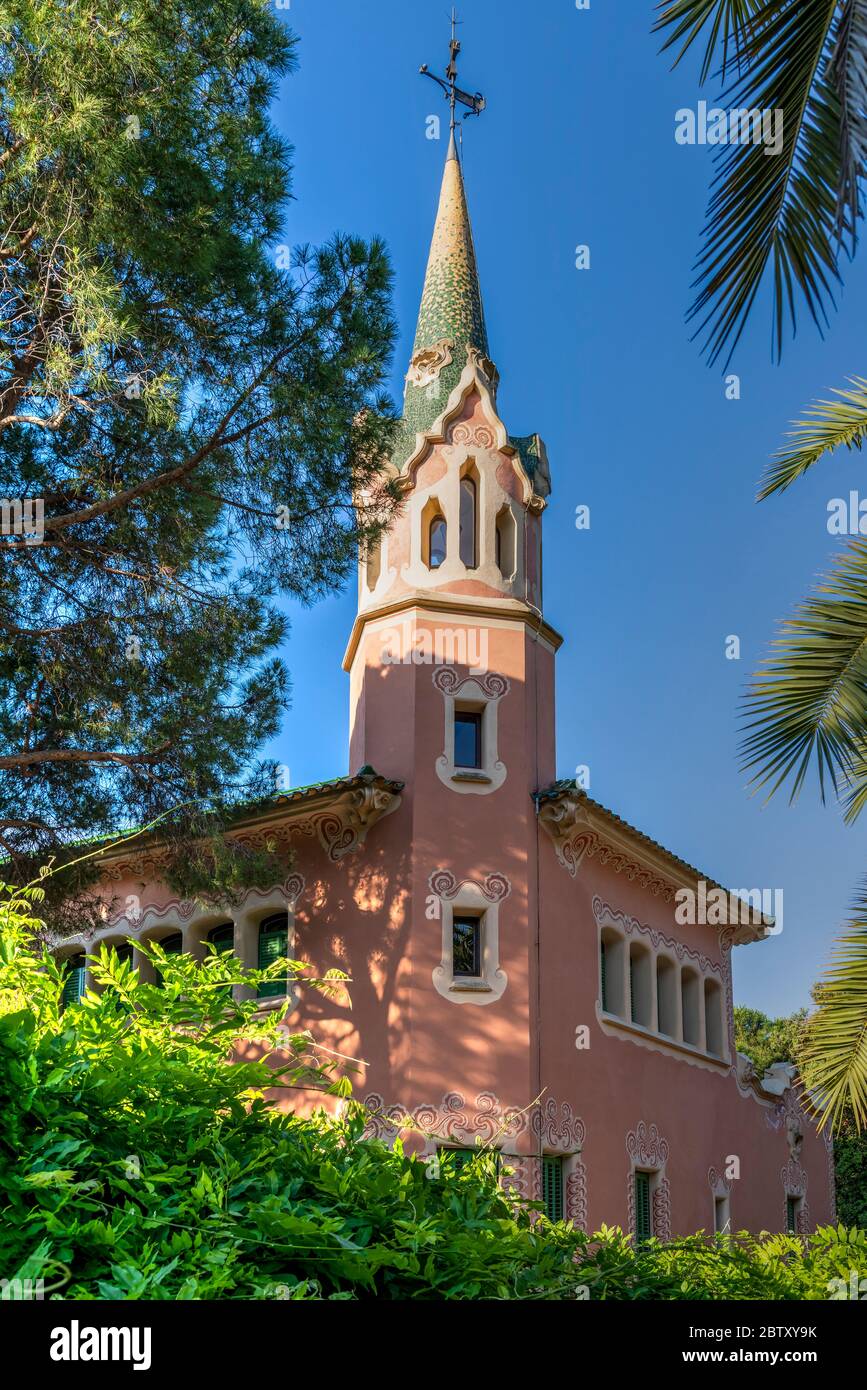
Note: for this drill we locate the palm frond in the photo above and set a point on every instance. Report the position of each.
(809, 698)
(777, 210)
(847, 70)
(833, 1059)
(827, 426)
(729, 21)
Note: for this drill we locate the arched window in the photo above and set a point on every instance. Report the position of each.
(713, 1023)
(73, 988)
(640, 986)
(505, 541)
(666, 996)
(436, 541)
(173, 946)
(611, 971)
(273, 945)
(689, 987)
(468, 546)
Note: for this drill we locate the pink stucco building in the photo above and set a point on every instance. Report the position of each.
(526, 967)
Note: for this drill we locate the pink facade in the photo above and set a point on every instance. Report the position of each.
(521, 972)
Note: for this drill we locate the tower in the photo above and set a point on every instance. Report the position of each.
(452, 684)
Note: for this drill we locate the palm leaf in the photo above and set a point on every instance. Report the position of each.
(827, 425)
(729, 21)
(848, 72)
(833, 1059)
(809, 699)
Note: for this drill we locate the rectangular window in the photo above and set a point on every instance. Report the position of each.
(458, 1158)
(467, 946)
(468, 738)
(643, 1222)
(552, 1188)
(792, 1205)
(721, 1221)
(602, 975)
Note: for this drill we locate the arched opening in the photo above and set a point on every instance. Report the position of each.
(689, 987)
(434, 535)
(469, 523)
(666, 996)
(640, 986)
(611, 969)
(173, 945)
(713, 1021)
(506, 535)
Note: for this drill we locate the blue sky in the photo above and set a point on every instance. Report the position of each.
(577, 147)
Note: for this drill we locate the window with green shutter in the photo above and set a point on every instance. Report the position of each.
(792, 1215)
(552, 1188)
(643, 1220)
(73, 986)
(602, 976)
(273, 944)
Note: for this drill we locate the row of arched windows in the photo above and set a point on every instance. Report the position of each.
(656, 991)
(272, 945)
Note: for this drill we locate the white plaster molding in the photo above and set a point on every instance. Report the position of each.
(482, 692)
(479, 898)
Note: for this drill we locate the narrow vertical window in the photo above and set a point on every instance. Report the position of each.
(721, 1220)
(468, 529)
(643, 1221)
(73, 986)
(603, 983)
(552, 1188)
(468, 738)
(792, 1205)
(467, 946)
(505, 543)
(436, 541)
(273, 945)
(222, 939)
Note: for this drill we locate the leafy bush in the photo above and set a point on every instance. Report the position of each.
(140, 1159)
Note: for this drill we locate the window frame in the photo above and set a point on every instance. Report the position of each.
(464, 918)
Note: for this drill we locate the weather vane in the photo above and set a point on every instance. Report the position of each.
(475, 103)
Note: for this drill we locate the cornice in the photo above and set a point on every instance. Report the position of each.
(580, 828)
(461, 606)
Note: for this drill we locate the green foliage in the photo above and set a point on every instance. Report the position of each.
(140, 1158)
(198, 409)
(767, 1040)
(742, 1267)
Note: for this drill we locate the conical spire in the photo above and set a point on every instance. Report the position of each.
(451, 303)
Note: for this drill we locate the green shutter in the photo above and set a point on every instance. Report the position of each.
(602, 971)
(73, 987)
(643, 1222)
(792, 1215)
(273, 945)
(552, 1188)
(632, 989)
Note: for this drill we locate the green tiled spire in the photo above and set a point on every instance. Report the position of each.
(451, 304)
(451, 317)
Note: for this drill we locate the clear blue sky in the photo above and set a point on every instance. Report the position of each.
(577, 146)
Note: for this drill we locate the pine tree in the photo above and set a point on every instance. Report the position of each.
(195, 418)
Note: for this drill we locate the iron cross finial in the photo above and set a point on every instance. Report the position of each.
(474, 102)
